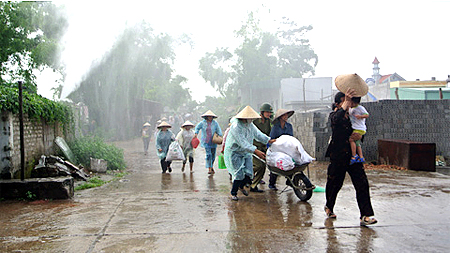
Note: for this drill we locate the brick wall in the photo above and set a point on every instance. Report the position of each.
(39, 140)
(414, 120)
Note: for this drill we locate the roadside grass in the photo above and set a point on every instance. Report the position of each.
(97, 181)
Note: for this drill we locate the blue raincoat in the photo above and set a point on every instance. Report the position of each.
(163, 140)
(239, 148)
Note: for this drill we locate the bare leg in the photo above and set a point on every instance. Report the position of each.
(353, 146)
(359, 150)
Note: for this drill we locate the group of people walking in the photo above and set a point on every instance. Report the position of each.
(250, 133)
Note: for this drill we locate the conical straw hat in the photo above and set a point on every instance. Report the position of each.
(147, 124)
(187, 123)
(351, 81)
(209, 113)
(248, 113)
(281, 112)
(163, 119)
(164, 124)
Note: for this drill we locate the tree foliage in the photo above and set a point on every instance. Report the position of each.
(29, 36)
(262, 56)
(139, 66)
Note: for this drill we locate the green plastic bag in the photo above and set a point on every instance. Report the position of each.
(221, 162)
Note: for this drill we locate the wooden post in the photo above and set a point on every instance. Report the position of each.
(22, 142)
(441, 96)
(396, 93)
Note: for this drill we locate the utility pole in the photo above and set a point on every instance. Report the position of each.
(22, 142)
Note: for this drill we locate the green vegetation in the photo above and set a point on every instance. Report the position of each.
(139, 66)
(34, 105)
(30, 33)
(261, 60)
(86, 147)
(30, 195)
(97, 181)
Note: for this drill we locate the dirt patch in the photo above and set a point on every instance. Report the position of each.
(370, 166)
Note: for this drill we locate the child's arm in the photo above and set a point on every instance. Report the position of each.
(363, 116)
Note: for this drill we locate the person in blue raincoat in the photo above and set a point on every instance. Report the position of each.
(208, 126)
(239, 149)
(163, 139)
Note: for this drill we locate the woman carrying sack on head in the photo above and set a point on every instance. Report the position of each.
(163, 140)
(209, 127)
(184, 137)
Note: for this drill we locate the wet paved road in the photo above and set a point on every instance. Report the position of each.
(183, 212)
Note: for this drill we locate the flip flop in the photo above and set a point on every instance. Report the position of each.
(329, 213)
(369, 221)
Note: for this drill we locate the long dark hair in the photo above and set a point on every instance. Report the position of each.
(337, 100)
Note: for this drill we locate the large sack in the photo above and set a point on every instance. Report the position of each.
(175, 152)
(291, 146)
(279, 160)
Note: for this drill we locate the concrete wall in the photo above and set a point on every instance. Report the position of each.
(312, 130)
(39, 140)
(415, 120)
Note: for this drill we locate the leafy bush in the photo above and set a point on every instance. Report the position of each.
(34, 105)
(86, 147)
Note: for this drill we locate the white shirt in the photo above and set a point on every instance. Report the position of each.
(358, 124)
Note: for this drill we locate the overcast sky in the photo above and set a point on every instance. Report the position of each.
(410, 38)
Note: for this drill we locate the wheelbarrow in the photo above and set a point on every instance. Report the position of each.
(295, 178)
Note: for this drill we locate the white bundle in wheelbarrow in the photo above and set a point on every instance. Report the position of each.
(290, 146)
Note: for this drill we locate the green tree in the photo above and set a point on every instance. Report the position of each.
(262, 57)
(139, 66)
(29, 36)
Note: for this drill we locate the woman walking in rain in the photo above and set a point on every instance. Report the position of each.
(163, 140)
(239, 149)
(184, 137)
(208, 126)
(339, 151)
(146, 133)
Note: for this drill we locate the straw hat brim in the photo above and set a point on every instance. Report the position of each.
(351, 81)
(281, 112)
(187, 123)
(209, 113)
(147, 125)
(164, 124)
(247, 113)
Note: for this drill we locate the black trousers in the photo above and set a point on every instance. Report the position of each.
(239, 184)
(164, 164)
(335, 179)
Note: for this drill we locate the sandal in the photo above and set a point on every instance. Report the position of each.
(355, 159)
(329, 213)
(245, 192)
(234, 197)
(365, 220)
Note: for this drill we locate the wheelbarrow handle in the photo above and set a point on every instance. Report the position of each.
(257, 157)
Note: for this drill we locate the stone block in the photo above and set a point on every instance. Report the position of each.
(98, 165)
(41, 188)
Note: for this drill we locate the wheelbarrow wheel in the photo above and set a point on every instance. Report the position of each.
(301, 181)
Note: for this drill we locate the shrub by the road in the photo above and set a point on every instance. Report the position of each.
(86, 147)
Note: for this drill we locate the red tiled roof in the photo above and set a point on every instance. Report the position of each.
(384, 78)
(375, 61)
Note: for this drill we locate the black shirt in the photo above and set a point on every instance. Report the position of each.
(341, 127)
